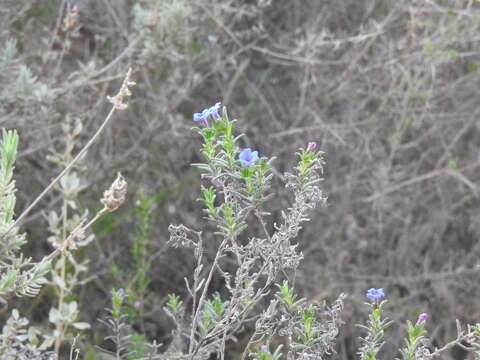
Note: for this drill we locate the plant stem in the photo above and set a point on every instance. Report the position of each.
(204, 294)
(60, 326)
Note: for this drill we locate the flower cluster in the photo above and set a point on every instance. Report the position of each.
(206, 113)
(247, 157)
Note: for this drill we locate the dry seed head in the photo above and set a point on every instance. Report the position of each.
(71, 19)
(124, 91)
(114, 197)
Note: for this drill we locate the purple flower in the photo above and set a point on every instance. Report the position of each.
(311, 146)
(248, 157)
(375, 294)
(421, 319)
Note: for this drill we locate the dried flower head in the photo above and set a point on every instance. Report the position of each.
(114, 197)
(124, 91)
(71, 18)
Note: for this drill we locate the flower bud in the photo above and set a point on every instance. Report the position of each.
(421, 319)
(311, 146)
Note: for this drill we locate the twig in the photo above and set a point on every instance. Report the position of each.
(452, 172)
(68, 167)
(460, 337)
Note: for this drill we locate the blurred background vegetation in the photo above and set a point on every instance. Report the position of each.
(388, 89)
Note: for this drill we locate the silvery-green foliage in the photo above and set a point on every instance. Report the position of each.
(26, 88)
(311, 328)
(11, 241)
(64, 315)
(19, 341)
(155, 22)
(264, 353)
(175, 310)
(375, 328)
(18, 275)
(8, 54)
(120, 329)
(416, 343)
(121, 332)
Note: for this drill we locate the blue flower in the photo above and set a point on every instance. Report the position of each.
(375, 294)
(213, 110)
(203, 116)
(198, 117)
(248, 157)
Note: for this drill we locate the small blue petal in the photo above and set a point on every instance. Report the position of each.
(197, 117)
(211, 111)
(375, 294)
(248, 157)
(214, 109)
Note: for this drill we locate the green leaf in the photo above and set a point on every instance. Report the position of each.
(8, 279)
(173, 302)
(195, 46)
(453, 164)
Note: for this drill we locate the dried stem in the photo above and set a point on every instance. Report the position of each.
(69, 166)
